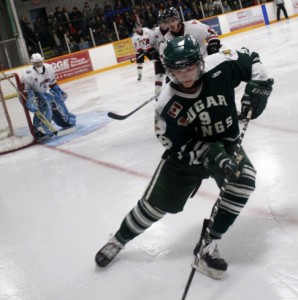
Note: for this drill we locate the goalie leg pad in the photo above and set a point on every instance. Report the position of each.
(45, 108)
(61, 116)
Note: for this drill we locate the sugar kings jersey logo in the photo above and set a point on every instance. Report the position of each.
(200, 111)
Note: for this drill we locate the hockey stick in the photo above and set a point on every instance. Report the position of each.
(202, 241)
(132, 60)
(123, 117)
(40, 115)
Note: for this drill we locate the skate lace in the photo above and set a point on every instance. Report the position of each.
(112, 248)
(211, 249)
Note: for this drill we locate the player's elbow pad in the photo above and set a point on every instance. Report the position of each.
(213, 46)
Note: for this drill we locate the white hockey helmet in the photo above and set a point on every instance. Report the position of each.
(37, 62)
(36, 57)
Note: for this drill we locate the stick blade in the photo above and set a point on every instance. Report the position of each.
(115, 116)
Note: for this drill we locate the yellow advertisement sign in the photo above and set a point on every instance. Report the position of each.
(124, 50)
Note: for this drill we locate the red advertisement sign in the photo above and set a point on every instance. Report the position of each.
(71, 65)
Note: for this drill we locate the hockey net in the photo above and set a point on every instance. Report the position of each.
(16, 130)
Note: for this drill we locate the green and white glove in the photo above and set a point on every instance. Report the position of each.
(218, 161)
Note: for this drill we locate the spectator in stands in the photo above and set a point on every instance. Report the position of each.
(122, 30)
(235, 5)
(87, 13)
(118, 18)
(196, 9)
(29, 35)
(60, 35)
(52, 23)
(59, 16)
(97, 11)
(72, 31)
(150, 20)
(41, 31)
(226, 7)
(83, 44)
(129, 22)
(208, 10)
(66, 14)
(76, 18)
(73, 45)
(107, 7)
(118, 5)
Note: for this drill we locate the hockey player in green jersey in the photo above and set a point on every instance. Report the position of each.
(196, 121)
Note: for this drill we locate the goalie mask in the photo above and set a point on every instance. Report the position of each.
(37, 62)
(183, 54)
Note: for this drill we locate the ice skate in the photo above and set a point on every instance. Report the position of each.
(139, 77)
(108, 252)
(210, 263)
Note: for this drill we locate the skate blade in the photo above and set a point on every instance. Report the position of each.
(203, 268)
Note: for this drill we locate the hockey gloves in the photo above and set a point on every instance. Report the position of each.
(218, 161)
(213, 46)
(256, 96)
(58, 92)
(31, 102)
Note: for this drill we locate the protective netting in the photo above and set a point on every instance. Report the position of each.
(15, 122)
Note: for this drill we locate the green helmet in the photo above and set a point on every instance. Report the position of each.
(181, 52)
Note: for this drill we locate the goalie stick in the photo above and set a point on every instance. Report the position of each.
(202, 241)
(40, 115)
(123, 117)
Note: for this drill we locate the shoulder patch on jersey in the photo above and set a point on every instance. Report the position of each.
(227, 52)
(28, 71)
(175, 109)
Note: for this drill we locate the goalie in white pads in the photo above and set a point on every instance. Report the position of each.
(45, 95)
(196, 122)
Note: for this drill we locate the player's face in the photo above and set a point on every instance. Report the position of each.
(173, 24)
(163, 25)
(38, 64)
(186, 76)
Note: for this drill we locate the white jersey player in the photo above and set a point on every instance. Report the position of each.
(142, 47)
(156, 39)
(44, 95)
(202, 33)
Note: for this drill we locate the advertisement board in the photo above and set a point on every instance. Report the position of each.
(295, 6)
(71, 65)
(245, 18)
(124, 50)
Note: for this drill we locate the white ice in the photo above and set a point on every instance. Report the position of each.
(59, 203)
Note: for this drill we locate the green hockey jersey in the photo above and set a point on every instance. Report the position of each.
(186, 123)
